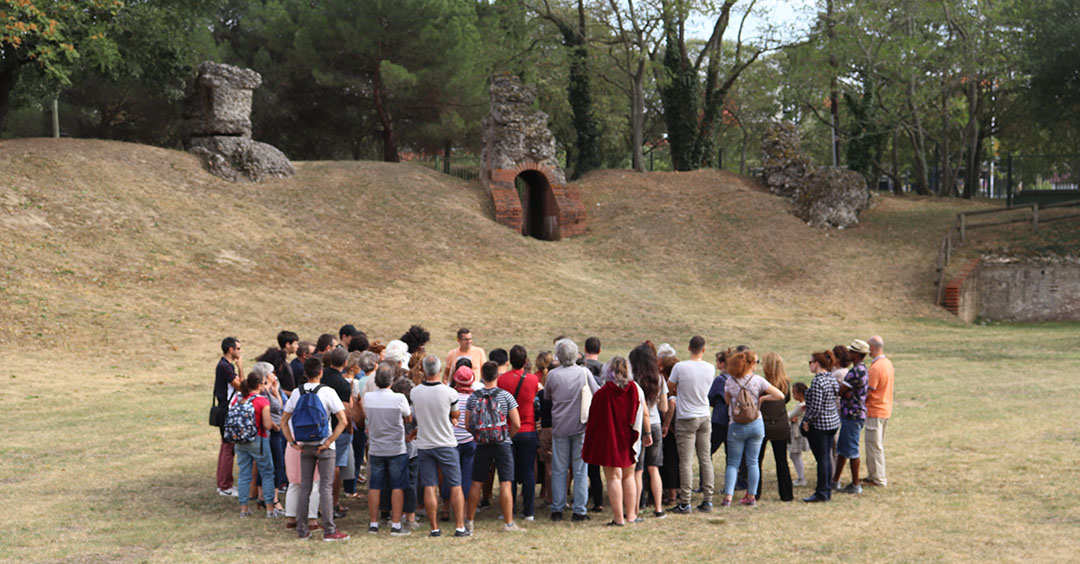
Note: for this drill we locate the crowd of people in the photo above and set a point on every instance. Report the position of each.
(316, 422)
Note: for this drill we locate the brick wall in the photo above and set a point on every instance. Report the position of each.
(570, 210)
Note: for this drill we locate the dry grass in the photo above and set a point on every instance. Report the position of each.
(124, 265)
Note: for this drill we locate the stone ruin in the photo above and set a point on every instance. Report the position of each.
(823, 196)
(217, 126)
(518, 166)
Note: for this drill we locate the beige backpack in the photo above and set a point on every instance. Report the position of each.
(744, 406)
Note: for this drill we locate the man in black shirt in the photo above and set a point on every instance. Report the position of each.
(226, 383)
(332, 378)
(592, 362)
(303, 350)
(289, 343)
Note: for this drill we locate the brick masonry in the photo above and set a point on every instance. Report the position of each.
(570, 210)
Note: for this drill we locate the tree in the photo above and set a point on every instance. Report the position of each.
(1052, 60)
(138, 97)
(575, 34)
(51, 34)
(631, 49)
(414, 60)
(692, 107)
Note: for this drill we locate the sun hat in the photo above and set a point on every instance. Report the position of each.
(860, 346)
(464, 377)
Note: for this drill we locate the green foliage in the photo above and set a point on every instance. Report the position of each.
(1052, 57)
(53, 33)
(865, 135)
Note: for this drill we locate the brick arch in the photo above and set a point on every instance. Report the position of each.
(564, 203)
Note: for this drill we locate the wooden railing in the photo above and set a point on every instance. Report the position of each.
(961, 226)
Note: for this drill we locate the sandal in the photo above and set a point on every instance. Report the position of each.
(614, 524)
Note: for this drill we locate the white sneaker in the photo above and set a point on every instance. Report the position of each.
(513, 528)
(231, 492)
(799, 483)
(530, 518)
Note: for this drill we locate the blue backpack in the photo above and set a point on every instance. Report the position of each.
(310, 421)
(240, 422)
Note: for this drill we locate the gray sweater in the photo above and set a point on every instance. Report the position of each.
(563, 389)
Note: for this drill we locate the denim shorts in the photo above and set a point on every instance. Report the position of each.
(343, 447)
(443, 458)
(392, 471)
(501, 453)
(847, 442)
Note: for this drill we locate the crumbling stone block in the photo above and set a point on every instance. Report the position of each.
(217, 126)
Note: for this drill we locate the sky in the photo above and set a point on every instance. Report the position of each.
(792, 17)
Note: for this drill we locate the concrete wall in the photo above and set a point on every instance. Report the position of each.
(1009, 289)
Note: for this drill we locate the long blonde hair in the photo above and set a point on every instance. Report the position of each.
(773, 366)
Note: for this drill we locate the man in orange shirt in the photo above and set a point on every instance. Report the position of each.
(879, 402)
(465, 348)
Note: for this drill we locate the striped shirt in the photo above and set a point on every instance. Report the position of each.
(821, 412)
(460, 432)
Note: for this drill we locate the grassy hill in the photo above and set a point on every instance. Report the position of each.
(110, 240)
(122, 266)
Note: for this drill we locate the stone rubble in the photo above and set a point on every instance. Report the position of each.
(822, 196)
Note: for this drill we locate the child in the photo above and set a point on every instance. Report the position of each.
(798, 444)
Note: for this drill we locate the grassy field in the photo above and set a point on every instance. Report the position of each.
(123, 266)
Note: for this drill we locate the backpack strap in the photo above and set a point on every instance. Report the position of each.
(520, 382)
(314, 390)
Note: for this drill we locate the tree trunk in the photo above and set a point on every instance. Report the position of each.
(742, 156)
(637, 117)
(834, 95)
(922, 173)
(9, 76)
(945, 178)
(382, 107)
(971, 179)
(898, 186)
(678, 91)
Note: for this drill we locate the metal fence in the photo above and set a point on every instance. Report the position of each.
(464, 167)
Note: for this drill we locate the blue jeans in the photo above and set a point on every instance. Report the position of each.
(821, 445)
(277, 451)
(744, 443)
(465, 458)
(257, 452)
(566, 452)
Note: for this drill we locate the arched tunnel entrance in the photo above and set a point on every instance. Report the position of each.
(539, 210)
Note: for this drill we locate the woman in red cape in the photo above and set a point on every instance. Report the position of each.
(611, 435)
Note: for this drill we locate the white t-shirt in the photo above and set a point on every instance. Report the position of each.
(432, 405)
(693, 378)
(654, 409)
(330, 400)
